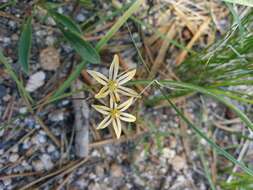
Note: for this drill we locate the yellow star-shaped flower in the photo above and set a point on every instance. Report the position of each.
(114, 114)
(113, 84)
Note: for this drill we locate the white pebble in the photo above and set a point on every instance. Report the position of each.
(23, 110)
(41, 138)
(50, 148)
(13, 157)
(7, 182)
(46, 160)
(80, 17)
(38, 165)
(35, 81)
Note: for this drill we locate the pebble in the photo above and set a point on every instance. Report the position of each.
(80, 17)
(49, 59)
(38, 165)
(178, 163)
(95, 153)
(26, 144)
(13, 157)
(168, 153)
(7, 182)
(99, 171)
(116, 170)
(51, 148)
(35, 81)
(41, 138)
(7, 97)
(23, 110)
(47, 162)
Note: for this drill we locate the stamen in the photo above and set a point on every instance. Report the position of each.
(112, 85)
(115, 113)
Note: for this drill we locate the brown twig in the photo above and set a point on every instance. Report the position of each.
(81, 109)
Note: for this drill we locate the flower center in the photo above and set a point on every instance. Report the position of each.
(112, 84)
(115, 113)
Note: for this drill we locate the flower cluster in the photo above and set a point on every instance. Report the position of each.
(113, 87)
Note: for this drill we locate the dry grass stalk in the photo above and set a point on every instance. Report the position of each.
(162, 53)
(81, 110)
(197, 35)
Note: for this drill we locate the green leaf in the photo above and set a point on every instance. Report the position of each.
(65, 21)
(83, 48)
(24, 45)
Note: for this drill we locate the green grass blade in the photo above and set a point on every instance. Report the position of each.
(241, 2)
(83, 48)
(133, 8)
(24, 45)
(208, 140)
(9, 70)
(206, 169)
(65, 21)
(202, 90)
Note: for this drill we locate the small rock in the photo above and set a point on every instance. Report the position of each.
(116, 170)
(7, 182)
(13, 157)
(95, 186)
(23, 110)
(41, 138)
(80, 17)
(178, 163)
(49, 59)
(46, 160)
(38, 165)
(168, 153)
(56, 116)
(35, 81)
(51, 148)
(99, 171)
(7, 97)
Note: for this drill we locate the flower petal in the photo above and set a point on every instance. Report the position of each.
(127, 91)
(127, 117)
(125, 105)
(105, 122)
(117, 127)
(101, 109)
(114, 96)
(102, 79)
(103, 92)
(114, 68)
(126, 77)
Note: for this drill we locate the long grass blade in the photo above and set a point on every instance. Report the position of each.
(208, 140)
(24, 45)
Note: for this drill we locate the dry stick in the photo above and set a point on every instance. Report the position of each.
(63, 183)
(9, 176)
(81, 109)
(162, 53)
(111, 141)
(201, 29)
(185, 19)
(21, 140)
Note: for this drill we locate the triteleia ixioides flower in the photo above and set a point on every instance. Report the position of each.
(114, 114)
(113, 85)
